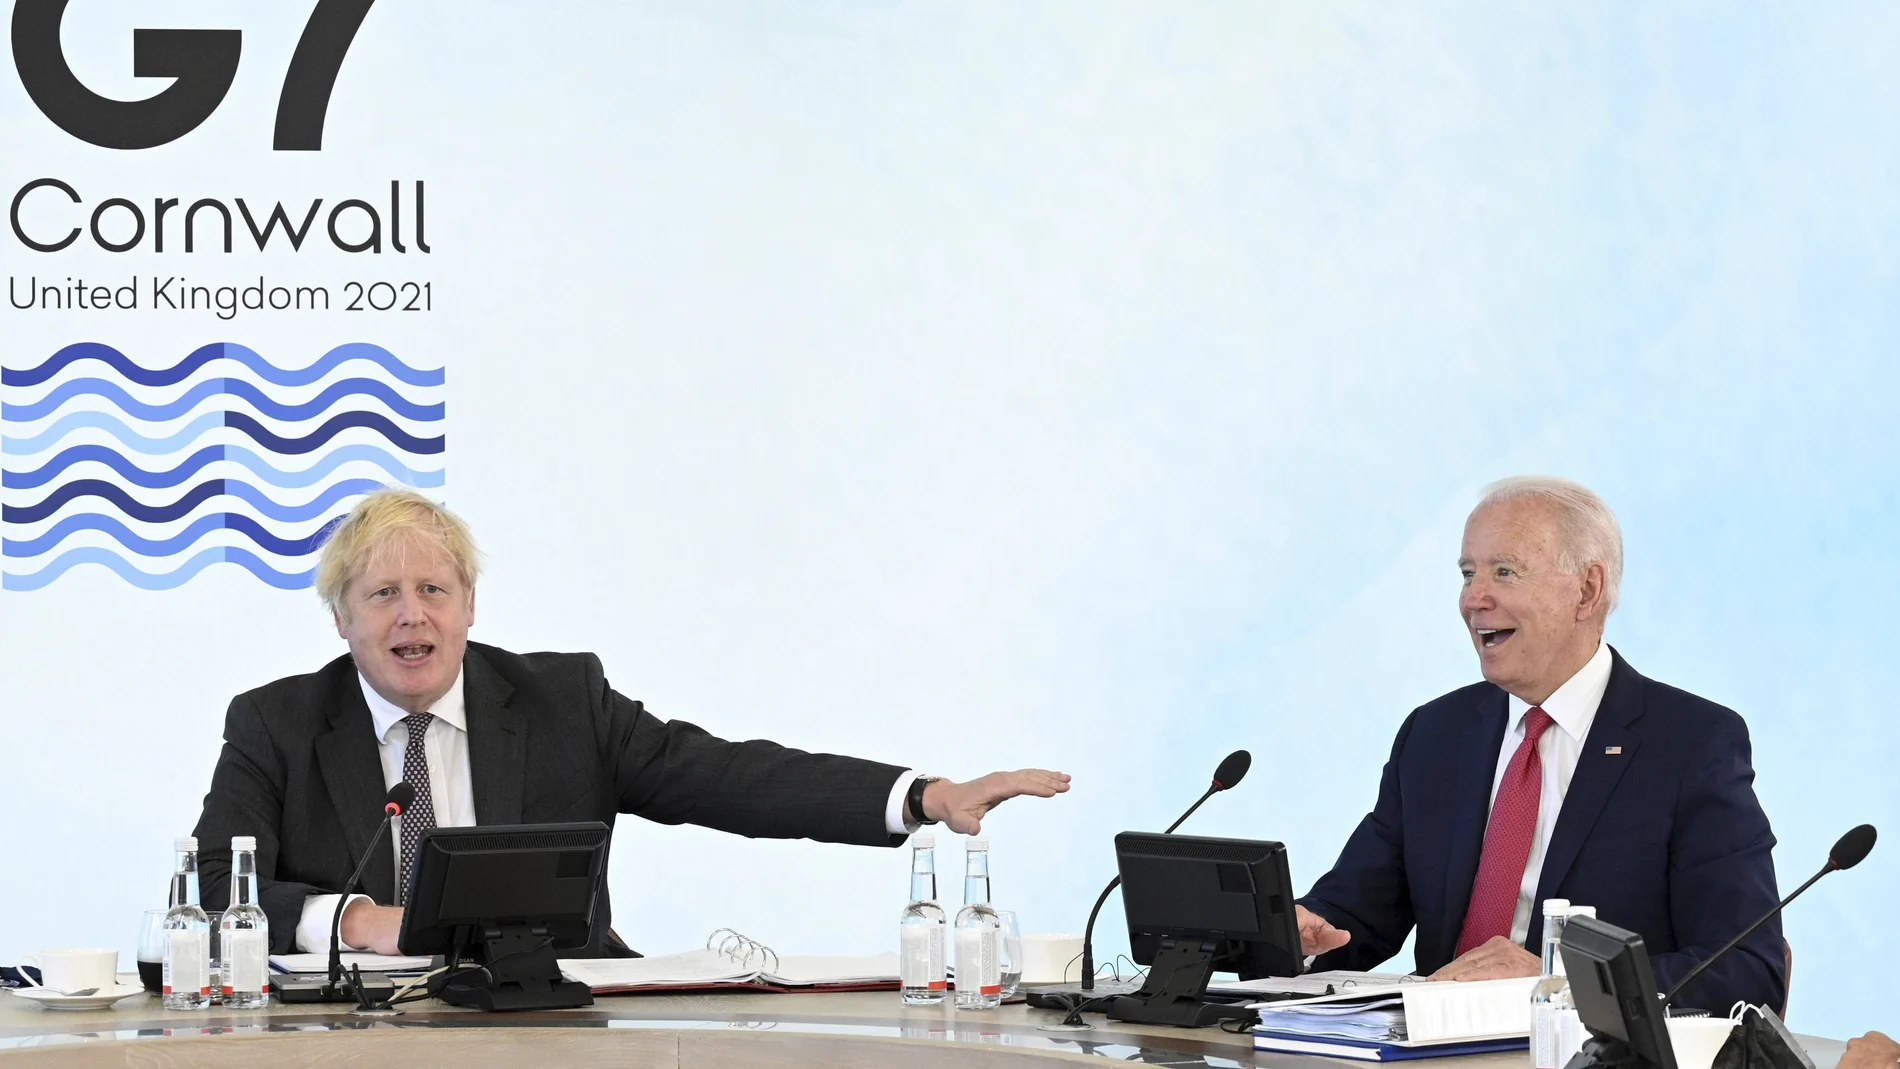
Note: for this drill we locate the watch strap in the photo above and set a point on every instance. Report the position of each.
(914, 799)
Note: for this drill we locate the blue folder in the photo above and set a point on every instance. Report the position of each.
(1374, 1051)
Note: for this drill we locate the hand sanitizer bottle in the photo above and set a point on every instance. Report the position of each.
(921, 927)
(979, 935)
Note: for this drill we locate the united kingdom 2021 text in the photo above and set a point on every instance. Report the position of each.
(177, 293)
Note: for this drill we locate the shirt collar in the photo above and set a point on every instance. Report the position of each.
(1572, 706)
(387, 714)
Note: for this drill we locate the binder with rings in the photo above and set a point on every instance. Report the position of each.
(731, 960)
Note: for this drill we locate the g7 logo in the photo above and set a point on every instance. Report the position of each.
(204, 62)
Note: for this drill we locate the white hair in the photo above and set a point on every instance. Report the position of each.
(1587, 530)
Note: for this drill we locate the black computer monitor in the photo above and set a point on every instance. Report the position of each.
(1615, 993)
(1197, 906)
(506, 897)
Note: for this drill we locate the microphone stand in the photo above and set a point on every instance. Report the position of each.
(343, 901)
(335, 987)
(1088, 933)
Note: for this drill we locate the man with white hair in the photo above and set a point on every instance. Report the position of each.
(486, 736)
(1565, 775)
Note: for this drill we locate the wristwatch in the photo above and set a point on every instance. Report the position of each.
(914, 798)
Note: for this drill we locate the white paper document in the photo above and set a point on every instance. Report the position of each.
(1421, 1011)
(1330, 982)
(1379, 1020)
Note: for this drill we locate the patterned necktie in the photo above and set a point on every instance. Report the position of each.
(420, 816)
(1507, 840)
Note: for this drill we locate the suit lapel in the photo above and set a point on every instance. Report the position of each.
(1597, 774)
(352, 771)
(497, 742)
(1477, 768)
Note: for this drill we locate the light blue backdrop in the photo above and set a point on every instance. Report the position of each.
(1201, 328)
(1087, 384)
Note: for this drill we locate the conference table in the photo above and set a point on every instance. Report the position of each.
(698, 1031)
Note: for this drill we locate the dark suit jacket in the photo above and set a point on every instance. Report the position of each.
(548, 740)
(1665, 839)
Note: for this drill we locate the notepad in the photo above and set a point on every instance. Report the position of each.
(382, 963)
(733, 963)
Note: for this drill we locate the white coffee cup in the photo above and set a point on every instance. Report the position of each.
(62, 971)
(1698, 1039)
(1052, 959)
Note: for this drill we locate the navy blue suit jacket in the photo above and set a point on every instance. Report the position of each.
(1664, 838)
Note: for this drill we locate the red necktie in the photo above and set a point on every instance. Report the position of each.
(1507, 840)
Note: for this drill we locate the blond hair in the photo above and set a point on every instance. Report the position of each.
(380, 518)
(1587, 530)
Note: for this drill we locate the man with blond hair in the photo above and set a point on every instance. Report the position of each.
(1565, 775)
(492, 737)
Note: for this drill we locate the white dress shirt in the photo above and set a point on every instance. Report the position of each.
(453, 792)
(1572, 708)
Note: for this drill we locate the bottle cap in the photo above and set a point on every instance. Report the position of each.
(188, 843)
(977, 844)
(1556, 907)
(244, 842)
(1584, 911)
(925, 840)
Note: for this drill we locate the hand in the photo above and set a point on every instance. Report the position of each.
(1497, 959)
(961, 806)
(1317, 934)
(1871, 1051)
(366, 924)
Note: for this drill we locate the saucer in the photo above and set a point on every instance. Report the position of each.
(99, 1000)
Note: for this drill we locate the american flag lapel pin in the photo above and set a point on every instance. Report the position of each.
(1612, 751)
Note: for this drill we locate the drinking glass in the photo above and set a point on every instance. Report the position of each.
(1012, 963)
(152, 949)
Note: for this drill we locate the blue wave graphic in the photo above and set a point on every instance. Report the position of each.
(137, 476)
(203, 355)
(178, 543)
(210, 421)
(332, 427)
(144, 580)
(197, 495)
(93, 481)
(113, 425)
(271, 407)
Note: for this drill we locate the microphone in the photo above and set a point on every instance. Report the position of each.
(1233, 768)
(400, 798)
(1850, 850)
(334, 988)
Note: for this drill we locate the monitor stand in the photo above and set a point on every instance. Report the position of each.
(1176, 989)
(519, 972)
(1603, 1052)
